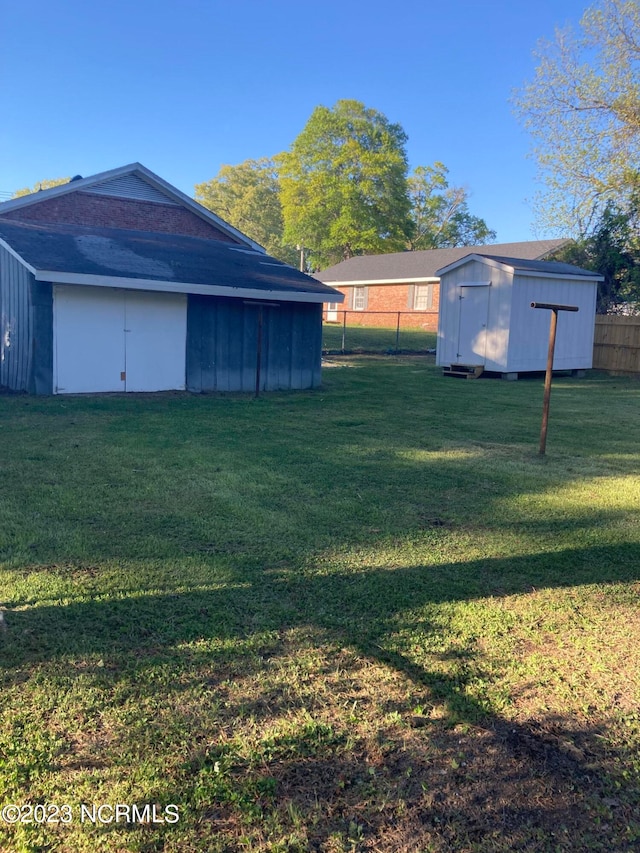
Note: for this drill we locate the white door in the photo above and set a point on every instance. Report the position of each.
(332, 312)
(117, 340)
(155, 341)
(472, 329)
(89, 353)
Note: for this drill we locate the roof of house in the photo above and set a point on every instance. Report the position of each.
(133, 180)
(111, 257)
(415, 266)
(533, 267)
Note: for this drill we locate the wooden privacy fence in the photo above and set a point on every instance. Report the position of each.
(616, 344)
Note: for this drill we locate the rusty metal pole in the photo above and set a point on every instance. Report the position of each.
(547, 381)
(344, 329)
(554, 308)
(398, 334)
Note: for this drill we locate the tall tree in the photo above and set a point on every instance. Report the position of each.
(46, 184)
(440, 212)
(247, 197)
(343, 184)
(613, 250)
(583, 110)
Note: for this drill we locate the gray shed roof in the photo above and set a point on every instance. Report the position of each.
(413, 266)
(526, 265)
(110, 257)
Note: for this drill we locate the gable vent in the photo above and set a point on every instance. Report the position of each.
(130, 186)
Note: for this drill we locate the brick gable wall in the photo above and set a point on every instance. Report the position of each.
(81, 208)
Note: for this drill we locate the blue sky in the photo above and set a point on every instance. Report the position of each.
(184, 86)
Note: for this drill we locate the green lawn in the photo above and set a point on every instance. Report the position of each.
(364, 339)
(363, 618)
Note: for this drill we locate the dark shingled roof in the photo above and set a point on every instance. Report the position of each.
(116, 253)
(553, 267)
(407, 266)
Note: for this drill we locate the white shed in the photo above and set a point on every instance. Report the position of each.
(486, 319)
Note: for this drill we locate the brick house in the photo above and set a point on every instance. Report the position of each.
(407, 282)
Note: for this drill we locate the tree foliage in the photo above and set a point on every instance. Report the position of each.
(613, 250)
(440, 213)
(583, 110)
(46, 184)
(343, 184)
(247, 196)
(342, 190)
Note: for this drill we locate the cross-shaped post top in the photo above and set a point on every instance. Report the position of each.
(554, 306)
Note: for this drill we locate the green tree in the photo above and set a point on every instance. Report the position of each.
(343, 184)
(583, 111)
(46, 184)
(247, 196)
(613, 250)
(440, 213)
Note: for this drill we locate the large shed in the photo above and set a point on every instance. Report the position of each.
(171, 298)
(486, 319)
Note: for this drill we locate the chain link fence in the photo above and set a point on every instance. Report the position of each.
(379, 332)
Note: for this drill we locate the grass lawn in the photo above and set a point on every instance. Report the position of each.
(366, 618)
(365, 339)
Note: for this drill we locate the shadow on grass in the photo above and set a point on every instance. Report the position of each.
(357, 608)
(493, 783)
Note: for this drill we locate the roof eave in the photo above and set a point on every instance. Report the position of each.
(429, 279)
(514, 268)
(87, 280)
(17, 256)
(568, 276)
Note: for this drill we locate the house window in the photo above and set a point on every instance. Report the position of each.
(423, 297)
(359, 298)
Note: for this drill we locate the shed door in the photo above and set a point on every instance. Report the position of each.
(155, 341)
(472, 328)
(88, 340)
(117, 340)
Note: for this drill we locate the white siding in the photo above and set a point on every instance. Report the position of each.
(499, 321)
(490, 338)
(530, 336)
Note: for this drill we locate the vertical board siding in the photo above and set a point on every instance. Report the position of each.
(41, 379)
(574, 341)
(15, 323)
(222, 339)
